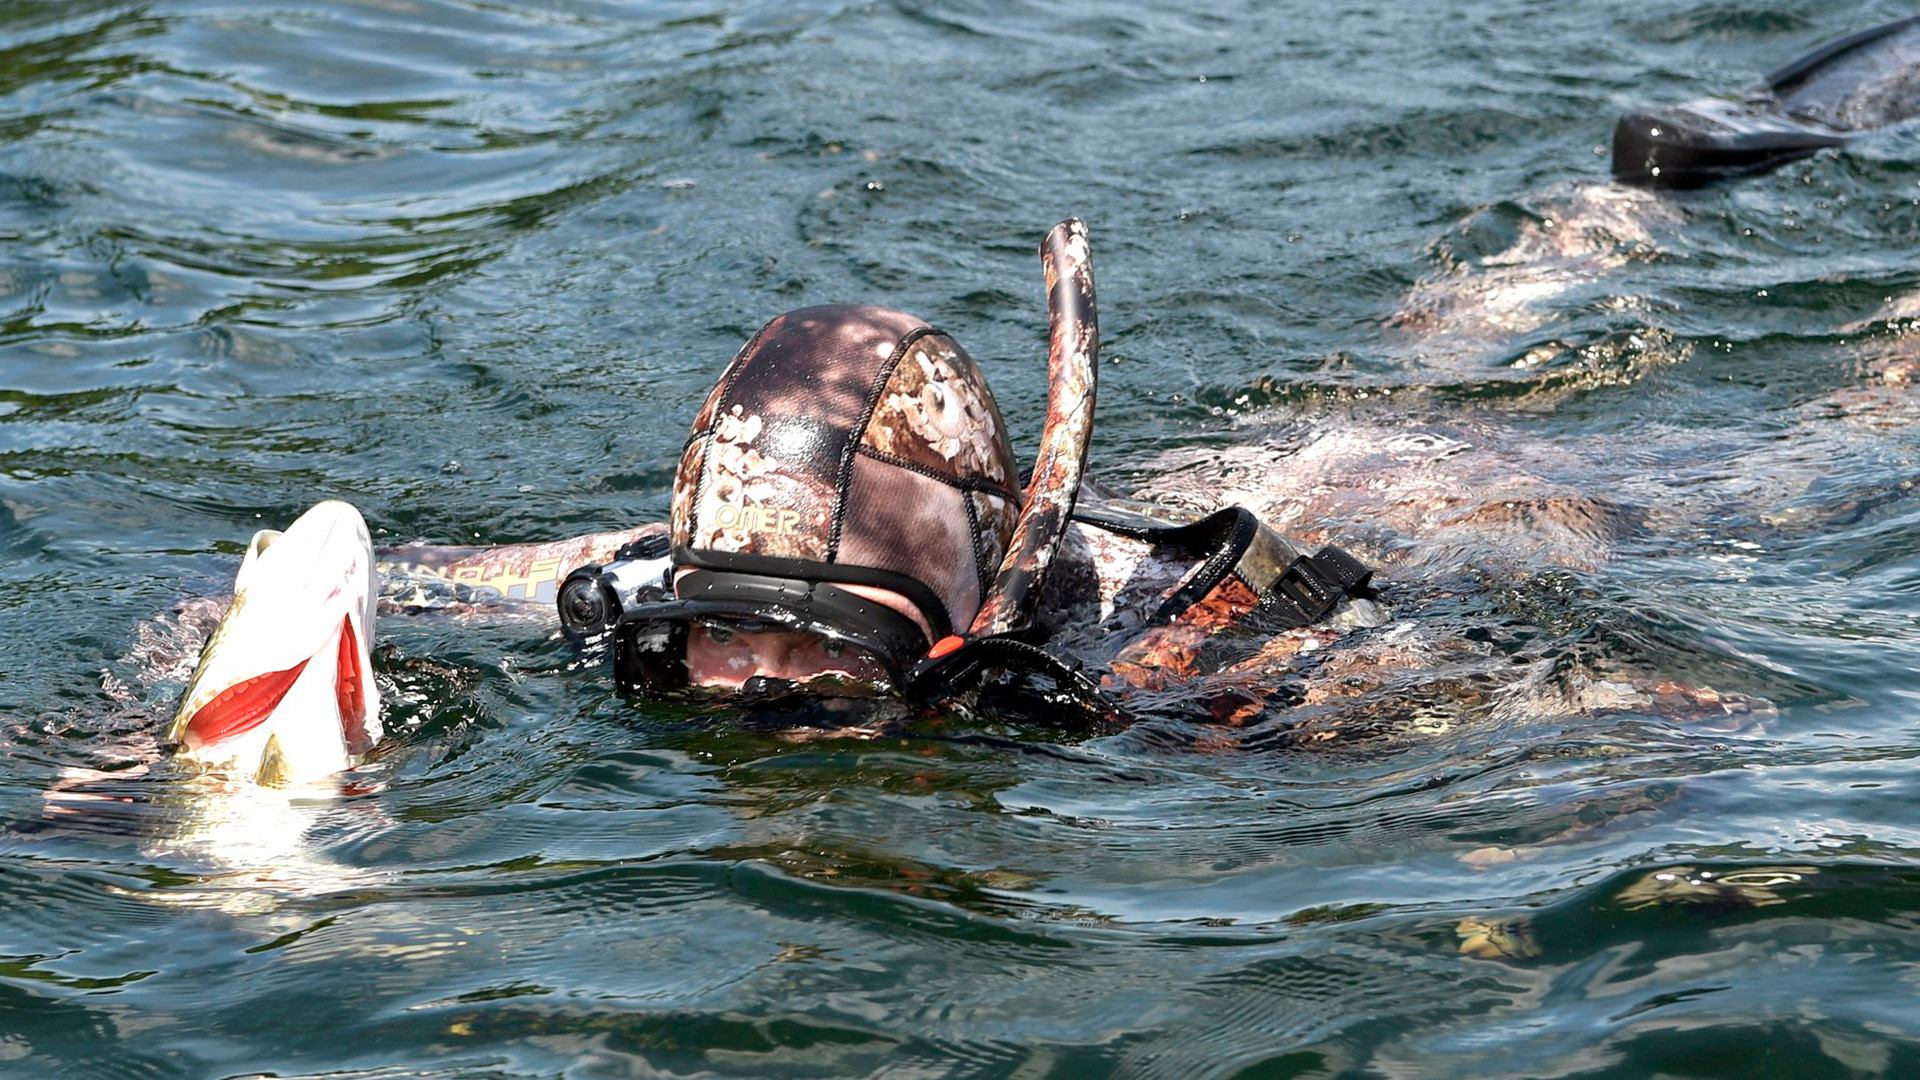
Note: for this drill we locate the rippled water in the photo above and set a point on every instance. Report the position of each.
(472, 265)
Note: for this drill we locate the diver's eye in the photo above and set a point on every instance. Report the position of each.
(833, 647)
(719, 635)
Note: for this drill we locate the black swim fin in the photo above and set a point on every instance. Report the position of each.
(1850, 85)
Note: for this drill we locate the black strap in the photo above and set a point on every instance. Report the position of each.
(1195, 535)
(1223, 535)
(650, 546)
(1308, 590)
(931, 607)
(1305, 592)
(1233, 530)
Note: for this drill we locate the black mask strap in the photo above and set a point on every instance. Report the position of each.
(924, 599)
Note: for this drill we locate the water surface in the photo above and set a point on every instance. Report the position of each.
(472, 266)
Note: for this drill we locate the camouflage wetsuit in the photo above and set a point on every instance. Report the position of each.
(1139, 600)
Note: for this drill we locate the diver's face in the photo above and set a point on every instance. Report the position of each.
(725, 657)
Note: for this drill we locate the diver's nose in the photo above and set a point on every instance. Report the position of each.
(773, 654)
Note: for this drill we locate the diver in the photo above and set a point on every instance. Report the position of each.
(846, 522)
(847, 507)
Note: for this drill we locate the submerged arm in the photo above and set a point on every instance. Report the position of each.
(517, 578)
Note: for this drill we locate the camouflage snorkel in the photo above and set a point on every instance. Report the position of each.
(999, 631)
(1073, 355)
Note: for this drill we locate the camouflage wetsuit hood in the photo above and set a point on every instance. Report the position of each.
(853, 445)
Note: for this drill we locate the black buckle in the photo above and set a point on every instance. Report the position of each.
(650, 546)
(1313, 585)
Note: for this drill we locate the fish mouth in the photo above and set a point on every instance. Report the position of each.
(245, 705)
(285, 684)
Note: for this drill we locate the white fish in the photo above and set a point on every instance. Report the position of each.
(284, 692)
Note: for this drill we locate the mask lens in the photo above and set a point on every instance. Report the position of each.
(730, 654)
(733, 653)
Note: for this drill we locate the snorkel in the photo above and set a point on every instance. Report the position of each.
(1073, 353)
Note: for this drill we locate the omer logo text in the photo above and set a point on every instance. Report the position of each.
(757, 519)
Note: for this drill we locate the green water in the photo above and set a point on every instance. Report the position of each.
(473, 265)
